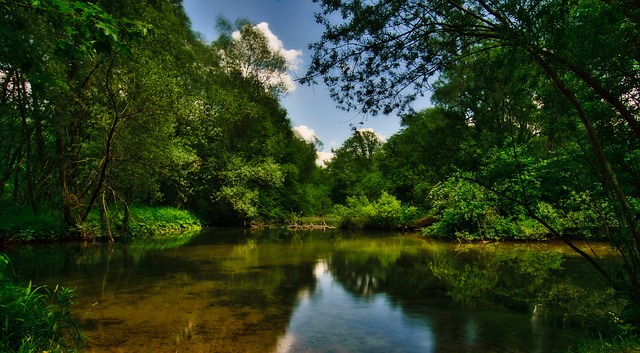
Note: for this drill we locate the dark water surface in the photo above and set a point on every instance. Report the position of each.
(277, 291)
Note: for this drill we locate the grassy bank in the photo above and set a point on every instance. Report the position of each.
(628, 344)
(17, 226)
(141, 222)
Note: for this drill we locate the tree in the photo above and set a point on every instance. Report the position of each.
(250, 165)
(352, 164)
(103, 99)
(100, 112)
(245, 51)
(382, 54)
(432, 145)
(55, 76)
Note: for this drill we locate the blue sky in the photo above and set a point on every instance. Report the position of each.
(293, 23)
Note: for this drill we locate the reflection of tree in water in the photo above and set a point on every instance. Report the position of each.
(223, 297)
(512, 275)
(497, 273)
(358, 278)
(482, 280)
(240, 292)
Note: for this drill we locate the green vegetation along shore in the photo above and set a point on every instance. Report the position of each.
(118, 120)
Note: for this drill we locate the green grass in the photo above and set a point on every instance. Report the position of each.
(144, 222)
(18, 225)
(629, 344)
(160, 220)
(35, 319)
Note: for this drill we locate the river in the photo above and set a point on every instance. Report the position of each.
(230, 290)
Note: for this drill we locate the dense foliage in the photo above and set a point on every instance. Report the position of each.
(118, 119)
(384, 213)
(112, 104)
(534, 130)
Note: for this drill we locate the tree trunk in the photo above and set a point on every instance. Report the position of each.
(632, 263)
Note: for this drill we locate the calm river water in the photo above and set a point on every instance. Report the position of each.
(313, 291)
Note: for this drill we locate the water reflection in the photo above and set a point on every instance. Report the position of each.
(312, 292)
(331, 319)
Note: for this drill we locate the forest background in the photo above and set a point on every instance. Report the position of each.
(115, 114)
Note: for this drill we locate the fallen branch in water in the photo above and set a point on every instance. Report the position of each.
(310, 226)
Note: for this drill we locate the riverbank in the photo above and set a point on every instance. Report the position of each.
(138, 222)
(626, 344)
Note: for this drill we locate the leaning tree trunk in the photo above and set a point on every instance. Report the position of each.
(629, 250)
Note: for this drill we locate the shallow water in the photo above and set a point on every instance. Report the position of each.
(236, 291)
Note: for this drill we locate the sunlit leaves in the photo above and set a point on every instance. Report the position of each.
(242, 183)
(386, 212)
(86, 26)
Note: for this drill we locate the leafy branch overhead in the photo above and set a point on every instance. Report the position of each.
(378, 56)
(87, 27)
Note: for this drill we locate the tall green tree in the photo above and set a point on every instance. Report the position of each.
(251, 166)
(115, 103)
(60, 47)
(352, 169)
(431, 146)
(104, 95)
(378, 56)
(245, 50)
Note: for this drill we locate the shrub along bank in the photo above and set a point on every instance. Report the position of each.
(386, 212)
(135, 222)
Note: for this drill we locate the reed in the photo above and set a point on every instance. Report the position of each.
(35, 318)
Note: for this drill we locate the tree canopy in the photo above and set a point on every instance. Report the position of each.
(110, 104)
(547, 96)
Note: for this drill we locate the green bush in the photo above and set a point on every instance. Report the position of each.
(143, 222)
(385, 213)
(465, 212)
(469, 212)
(35, 319)
(19, 225)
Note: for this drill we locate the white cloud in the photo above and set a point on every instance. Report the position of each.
(309, 135)
(306, 133)
(291, 55)
(381, 137)
(323, 158)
